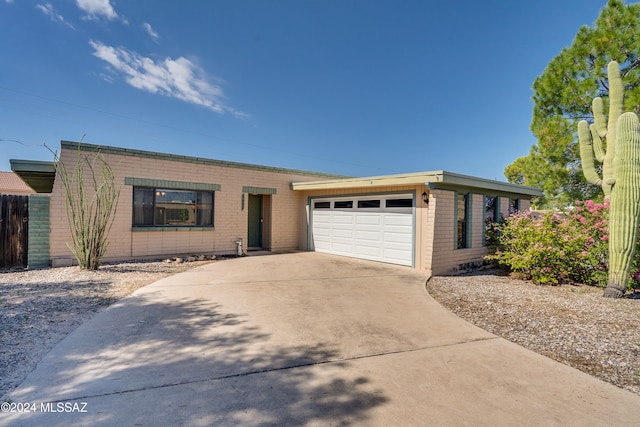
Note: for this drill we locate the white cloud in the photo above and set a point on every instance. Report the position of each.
(97, 8)
(51, 12)
(150, 31)
(176, 78)
(9, 1)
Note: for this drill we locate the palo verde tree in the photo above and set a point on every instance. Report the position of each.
(562, 97)
(91, 197)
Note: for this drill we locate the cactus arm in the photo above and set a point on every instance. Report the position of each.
(600, 127)
(616, 100)
(586, 153)
(600, 121)
(615, 110)
(598, 148)
(624, 205)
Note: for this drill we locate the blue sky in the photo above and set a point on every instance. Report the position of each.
(352, 87)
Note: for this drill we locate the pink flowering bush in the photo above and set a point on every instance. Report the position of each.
(554, 248)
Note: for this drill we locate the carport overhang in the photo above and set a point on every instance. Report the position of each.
(38, 175)
(433, 180)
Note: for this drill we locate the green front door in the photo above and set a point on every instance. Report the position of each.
(255, 221)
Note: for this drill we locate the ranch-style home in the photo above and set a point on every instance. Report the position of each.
(177, 205)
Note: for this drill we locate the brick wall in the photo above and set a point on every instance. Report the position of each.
(230, 218)
(445, 257)
(38, 246)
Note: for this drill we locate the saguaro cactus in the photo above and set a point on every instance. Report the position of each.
(621, 177)
(624, 208)
(590, 136)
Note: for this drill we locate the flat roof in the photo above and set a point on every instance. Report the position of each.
(434, 179)
(188, 159)
(40, 175)
(37, 174)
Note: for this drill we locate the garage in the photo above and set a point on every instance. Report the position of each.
(372, 227)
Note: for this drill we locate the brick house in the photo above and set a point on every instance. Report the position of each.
(173, 205)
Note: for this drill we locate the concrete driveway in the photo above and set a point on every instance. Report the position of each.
(302, 339)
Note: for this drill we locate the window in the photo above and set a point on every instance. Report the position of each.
(345, 204)
(399, 203)
(514, 206)
(368, 204)
(491, 210)
(159, 207)
(322, 205)
(463, 223)
(491, 217)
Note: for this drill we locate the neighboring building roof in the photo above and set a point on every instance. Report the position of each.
(10, 183)
(434, 179)
(39, 175)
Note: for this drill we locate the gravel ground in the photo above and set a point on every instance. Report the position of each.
(574, 325)
(38, 308)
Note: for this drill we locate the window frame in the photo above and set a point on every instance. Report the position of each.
(463, 226)
(369, 204)
(152, 213)
(514, 206)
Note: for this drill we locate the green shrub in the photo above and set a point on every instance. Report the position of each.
(557, 247)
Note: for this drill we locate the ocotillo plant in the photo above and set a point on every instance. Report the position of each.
(621, 176)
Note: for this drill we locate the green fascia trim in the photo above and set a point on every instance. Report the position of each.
(32, 166)
(477, 190)
(452, 181)
(171, 185)
(185, 228)
(187, 159)
(258, 190)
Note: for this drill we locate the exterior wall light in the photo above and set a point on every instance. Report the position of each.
(425, 197)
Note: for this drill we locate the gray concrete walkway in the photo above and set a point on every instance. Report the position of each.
(302, 339)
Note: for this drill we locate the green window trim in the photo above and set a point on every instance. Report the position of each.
(462, 226)
(136, 229)
(514, 205)
(168, 208)
(172, 185)
(495, 217)
(258, 190)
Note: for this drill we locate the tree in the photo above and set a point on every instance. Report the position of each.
(90, 213)
(562, 97)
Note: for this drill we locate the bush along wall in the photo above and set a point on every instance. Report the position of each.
(559, 247)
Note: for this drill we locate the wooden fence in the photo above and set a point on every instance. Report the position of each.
(14, 227)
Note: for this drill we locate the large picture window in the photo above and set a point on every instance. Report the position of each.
(159, 207)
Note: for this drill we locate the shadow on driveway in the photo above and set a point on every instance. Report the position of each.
(189, 362)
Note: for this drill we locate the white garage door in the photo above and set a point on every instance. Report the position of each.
(377, 228)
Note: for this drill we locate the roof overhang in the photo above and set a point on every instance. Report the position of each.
(37, 174)
(433, 180)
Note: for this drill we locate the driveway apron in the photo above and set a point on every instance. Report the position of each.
(302, 339)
